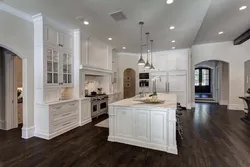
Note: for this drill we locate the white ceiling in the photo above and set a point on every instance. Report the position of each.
(196, 21)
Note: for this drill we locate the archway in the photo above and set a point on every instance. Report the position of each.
(211, 82)
(129, 83)
(10, 119)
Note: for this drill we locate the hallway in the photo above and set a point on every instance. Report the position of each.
(213, 137)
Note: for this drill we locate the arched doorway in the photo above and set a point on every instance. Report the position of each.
(12, 91)
(129, 83)
(211, 82)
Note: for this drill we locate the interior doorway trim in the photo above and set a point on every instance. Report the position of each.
(27, 132)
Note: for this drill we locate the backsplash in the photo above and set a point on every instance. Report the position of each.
(94, 82)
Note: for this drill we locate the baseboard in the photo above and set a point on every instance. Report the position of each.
(2, 125)
(85, 122)
(48, 136)
(223, 102)
(28, 132)
(153, 146)
(235, 107)
(189, 106)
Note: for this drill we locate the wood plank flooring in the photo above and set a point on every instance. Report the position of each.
(213, 137)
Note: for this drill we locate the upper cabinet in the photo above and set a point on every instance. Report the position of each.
(95, 54)
(57, 38)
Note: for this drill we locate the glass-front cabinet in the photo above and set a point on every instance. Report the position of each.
(58, 68)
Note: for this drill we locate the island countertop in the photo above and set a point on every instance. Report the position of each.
(170, 102)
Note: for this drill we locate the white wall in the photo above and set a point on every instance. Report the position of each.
(16, 35)
(2, 90)
(235, 56)
(224, 96)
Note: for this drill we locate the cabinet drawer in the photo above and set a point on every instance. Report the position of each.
(62, 114)
(57, 107)
(72, 105)
(63, 123)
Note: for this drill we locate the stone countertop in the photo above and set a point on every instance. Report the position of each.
(170, 102)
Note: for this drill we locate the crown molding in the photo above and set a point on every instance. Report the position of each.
(128, 54)
(16, 12)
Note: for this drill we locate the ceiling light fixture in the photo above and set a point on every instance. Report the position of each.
(86, 22)
(220, 32)
(124, 47)
(242, 7)
(141, 61)
(110, 39)
(147, 65)
(173, 47)
(172, 27)
(173, 41)
(169, 1)
(152, 66)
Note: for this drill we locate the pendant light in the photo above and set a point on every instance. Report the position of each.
(147, 65)
(152, 66)
(141, 61)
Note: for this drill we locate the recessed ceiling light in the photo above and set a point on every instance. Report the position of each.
(220, 32)
(110, 39)
(124, 47)
(172, 27)
(169, 1)
(86, 22)
(242, 7)
(173, 41)
(173, 47)
(148, 50)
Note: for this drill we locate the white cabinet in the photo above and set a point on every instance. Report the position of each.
(158, 127)
(58, 67)
(85, 112)
(124, 123)
(66, 41)
(51, 35)
(142, 125)
(52, 120)
(161, 83)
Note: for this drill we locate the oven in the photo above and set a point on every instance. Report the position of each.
(99, 105)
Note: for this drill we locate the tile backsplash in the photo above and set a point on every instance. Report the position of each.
(93, 82)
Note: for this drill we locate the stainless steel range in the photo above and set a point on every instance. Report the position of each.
(99, 105)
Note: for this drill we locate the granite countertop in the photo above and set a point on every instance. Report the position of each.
(170, 102)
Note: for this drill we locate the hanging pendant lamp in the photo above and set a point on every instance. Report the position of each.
(147, 65)
(141, 60)
(152, 66)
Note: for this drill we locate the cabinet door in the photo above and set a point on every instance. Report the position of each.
(52, 66)
(67, 69)
(124, 122)
(181, 62)
(66, 41)
(142, 125)
(161, 85)
(85, 110)
(51, 35)
(158, 122)
(171, 62)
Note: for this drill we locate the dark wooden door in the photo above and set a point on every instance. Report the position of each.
(129, 83)
(202, 80)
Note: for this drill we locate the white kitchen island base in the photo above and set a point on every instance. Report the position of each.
(151, 126)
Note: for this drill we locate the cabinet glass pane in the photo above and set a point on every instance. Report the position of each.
(65, 57)
(55, 56)
(69, 78)
(49, 66)
(65, 68)
(69, 69)
(49, 77)
(55, 67)
(55, 78)
(49, 55)
(65, 80)
(69, 59)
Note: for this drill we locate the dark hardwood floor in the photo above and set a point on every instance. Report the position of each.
(213, 137)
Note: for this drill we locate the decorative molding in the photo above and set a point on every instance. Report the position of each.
(235, 107)
(2, 125)
(129, 54)
(85, 122)
(28, 132)
(95, 70)
(16, 12)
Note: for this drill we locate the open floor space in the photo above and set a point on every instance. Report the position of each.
(213, 137)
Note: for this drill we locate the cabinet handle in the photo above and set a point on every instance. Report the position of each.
(72, 104)
(66, 123)
(58, 107)
(66, 114)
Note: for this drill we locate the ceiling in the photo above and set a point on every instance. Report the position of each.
(196, 21)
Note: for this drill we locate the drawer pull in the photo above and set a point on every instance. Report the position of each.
(59, 107)
(66, 123)
(66, 114)
(72, 104)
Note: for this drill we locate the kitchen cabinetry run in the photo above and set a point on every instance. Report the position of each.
(55, 119)
(85, 112)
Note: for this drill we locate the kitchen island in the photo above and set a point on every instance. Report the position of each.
(151, 126)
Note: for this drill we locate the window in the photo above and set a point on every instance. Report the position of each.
(197, 74)
(205, 77)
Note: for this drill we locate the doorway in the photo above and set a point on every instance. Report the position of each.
(211, 81)
(11, 88)
(129, 83)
